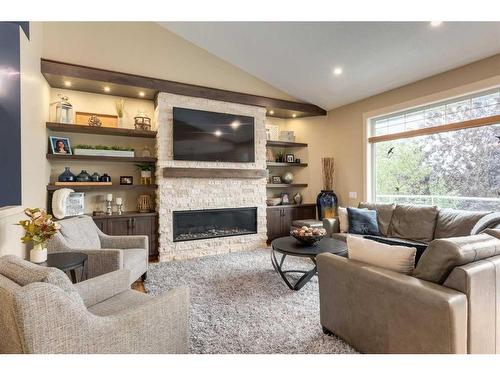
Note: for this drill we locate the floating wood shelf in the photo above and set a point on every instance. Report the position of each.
(291, 205)
(84, 78)
(285, 185)
(172, 172)
(285, 144)
(273, 164)
(51, 188)
(101, 158)
(75, 128)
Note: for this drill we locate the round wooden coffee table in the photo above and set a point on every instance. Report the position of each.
(289, 246)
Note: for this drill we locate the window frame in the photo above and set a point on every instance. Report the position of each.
(372, 139)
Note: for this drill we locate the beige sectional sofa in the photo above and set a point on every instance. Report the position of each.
(450, 304)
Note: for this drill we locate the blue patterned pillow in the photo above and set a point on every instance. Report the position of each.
(362, 221)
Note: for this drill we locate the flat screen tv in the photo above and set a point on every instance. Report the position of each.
(213, 136)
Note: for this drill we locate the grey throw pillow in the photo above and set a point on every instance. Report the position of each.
(414, 222)
(384, 214)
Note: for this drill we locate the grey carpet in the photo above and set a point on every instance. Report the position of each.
(239, 304)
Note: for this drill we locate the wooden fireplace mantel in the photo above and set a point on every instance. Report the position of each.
(176, 172)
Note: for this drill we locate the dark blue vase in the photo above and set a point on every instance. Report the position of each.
(66, 176)
(327, 204)
(83, 176)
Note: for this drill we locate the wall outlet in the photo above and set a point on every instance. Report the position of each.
(353, 194)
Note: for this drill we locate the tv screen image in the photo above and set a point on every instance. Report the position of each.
(212, 136)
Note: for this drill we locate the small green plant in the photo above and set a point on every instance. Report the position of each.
(101, 147)
(145, 167)
(280, 155)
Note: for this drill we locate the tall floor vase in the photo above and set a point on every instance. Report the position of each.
(327, 204)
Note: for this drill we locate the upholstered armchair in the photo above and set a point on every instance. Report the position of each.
(105, 253)
(41, 311)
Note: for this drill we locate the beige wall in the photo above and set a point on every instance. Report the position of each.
(346, 125)
(34, 112)
(145, 48)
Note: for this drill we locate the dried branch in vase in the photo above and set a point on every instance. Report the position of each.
(328, 169)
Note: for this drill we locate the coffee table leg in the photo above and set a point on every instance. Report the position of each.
(73, 276)
(278, 266)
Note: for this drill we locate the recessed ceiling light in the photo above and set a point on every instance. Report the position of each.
(218, 133)
(271, 112)
(67, 83)
(337, 71)
(294, 115)
(436, 23)
(107, 89)
(235, 124)
(141, 93)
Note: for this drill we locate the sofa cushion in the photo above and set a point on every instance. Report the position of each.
(80, 233)
(444, 254)
(384, 214)
(23, 273)
(362, 221)
(413, 222)
(395, 258)
(491, 220)
(456, 223)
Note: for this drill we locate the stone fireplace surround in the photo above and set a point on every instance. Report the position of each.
(181, 194)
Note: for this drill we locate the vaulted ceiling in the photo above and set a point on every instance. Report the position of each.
(299, 58)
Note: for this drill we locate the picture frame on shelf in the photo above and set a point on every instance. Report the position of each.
(290, 158)
(276, 179)
(285, 198)
(60, 145)
(126, 180)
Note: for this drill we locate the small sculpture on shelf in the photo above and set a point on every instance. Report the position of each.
(119, 205)
(64, 110)
(109, 204)
(95, 121)
(287, 177)
(144, 203)
(142, 122)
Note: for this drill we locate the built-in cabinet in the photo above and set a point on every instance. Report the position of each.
(132, 223)
(280, 218)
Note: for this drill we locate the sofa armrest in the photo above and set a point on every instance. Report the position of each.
(381, 311)
(124, 242)
(102, 287)
(50, 322)
(331, 225)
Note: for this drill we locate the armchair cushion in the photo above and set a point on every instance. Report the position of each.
(122, 301)
(80, 232)
(24, 273)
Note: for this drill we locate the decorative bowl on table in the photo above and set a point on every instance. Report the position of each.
(308, 236)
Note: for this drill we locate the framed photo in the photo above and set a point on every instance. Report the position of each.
(126, 180)
(290, 158)
(285, 198)
(276, 179)
(60, 146)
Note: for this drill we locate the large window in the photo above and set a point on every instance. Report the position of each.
(446, 154)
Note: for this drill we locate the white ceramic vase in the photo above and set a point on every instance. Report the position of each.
(38, 254)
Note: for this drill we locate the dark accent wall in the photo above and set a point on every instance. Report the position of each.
(10, 115)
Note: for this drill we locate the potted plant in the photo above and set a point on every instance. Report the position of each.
(100, 150)
(39, 228)
(280, 155)
(146, 170)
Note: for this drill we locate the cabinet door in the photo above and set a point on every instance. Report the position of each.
(119, 226)
(273, 223)
(286, 220)
(147, 225)
(101, 224)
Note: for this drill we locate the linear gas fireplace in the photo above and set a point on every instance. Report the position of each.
(203, 224)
